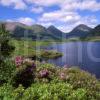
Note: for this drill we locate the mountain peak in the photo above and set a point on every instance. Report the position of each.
(12, 25)
(98, 26)
(55, 31)
(81, 27)
(96, 31)
(38, 28)
(51, 27)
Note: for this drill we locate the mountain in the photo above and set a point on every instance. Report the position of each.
(54, 31)
(12, 25)
(95, 31)
(42, 32)
(19, 30)
(15, 28)
(39, 32)
(79, 31)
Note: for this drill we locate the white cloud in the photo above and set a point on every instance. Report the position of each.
(37, 10)
(60, 16)
(90, 21)
(17, 4)
(65, 28)
(45, 2)
(91, 5)
(66, 21)
(24, 20)
(45, 24)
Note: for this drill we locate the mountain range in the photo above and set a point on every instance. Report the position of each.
(39, 32)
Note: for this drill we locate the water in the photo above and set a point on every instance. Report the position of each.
(86, 55)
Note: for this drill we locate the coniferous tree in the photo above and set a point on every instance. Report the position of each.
(5, 51)
(5, 48)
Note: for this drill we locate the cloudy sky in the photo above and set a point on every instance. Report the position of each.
(64, 14)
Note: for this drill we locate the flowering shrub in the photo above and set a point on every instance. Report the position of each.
(51, 82)
(18, 61)
(62, 76)
(24, 75)
(65, 67)
(44, 73)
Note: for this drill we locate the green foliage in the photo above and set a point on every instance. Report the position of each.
(5, 47)
(7, 92)
(27, 47)
(7, 69)
(23, 75)
(76, 84)
(50, 54)
(80, 94)
(59, 91)
(74, 76)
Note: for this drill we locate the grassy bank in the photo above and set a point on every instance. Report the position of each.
(94, 39)
(27, 48)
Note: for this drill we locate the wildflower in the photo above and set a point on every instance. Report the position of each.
(18, 60)
(62, 76)
(66, 66)
(44, 73)
(28, 61)
(43, 62)
(79, 82)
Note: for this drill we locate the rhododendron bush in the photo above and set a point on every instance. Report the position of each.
(43, 81)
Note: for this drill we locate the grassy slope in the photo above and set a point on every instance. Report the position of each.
(26, 47)
(88, 39)
(96, 38)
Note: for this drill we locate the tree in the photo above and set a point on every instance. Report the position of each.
(5, 48)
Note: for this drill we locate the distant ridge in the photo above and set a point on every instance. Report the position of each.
(19, 30)
(79, 31)
(53, 30)
(95, 31)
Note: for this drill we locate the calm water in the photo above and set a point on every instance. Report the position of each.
(86, 55)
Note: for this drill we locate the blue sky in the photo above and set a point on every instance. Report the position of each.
(64, 14)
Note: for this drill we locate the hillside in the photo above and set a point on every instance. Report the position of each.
(19, 30)
(95, 31)
(79, 31)
(39, 32)
(53, 30)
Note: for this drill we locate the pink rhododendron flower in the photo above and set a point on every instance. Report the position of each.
(44, 73)
(18, 60)
(43, 62)
(62, 76)
(66, 66)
